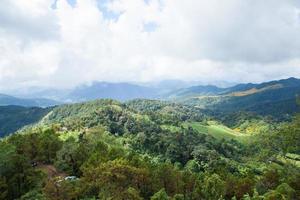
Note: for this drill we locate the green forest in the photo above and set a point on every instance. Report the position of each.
(151, 149)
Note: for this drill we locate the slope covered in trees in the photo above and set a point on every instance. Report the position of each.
(146, 150)
(13, 118)
(275, 98)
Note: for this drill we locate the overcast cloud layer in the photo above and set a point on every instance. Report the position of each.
(64, 43)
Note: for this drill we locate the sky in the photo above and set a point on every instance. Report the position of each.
(64, 43)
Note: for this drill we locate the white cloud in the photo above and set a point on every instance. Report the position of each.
(213, 40)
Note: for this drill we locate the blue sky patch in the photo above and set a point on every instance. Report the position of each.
(150, 26)
(72, 2)
(107, 14)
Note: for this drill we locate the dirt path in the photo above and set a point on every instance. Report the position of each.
(51, 171)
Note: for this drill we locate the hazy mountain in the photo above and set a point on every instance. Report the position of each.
(168, 89)
(40, 92)
(105, 90)
(195, 91)
(169, 85)
(119, 91)
(6, 100)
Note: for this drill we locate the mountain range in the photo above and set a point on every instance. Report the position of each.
(262, 98)
(274, 98)
(236, 90)
(118, 91)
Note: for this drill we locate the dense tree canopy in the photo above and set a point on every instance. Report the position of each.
(146, 150)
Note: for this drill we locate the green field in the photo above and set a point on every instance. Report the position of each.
(214, 129)
(218, 131)
(170, 128)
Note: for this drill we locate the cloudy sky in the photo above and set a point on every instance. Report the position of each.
(63, 43)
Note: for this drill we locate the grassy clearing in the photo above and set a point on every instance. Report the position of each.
(218, 131)
(171, 128)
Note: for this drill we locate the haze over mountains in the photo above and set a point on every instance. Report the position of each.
(6, 100)
(168, 90)
(118, 91)
(97, 89)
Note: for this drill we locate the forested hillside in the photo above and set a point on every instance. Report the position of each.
(14, 117)
(275, 98)
(146, 149)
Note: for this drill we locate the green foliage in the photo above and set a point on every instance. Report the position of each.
(34, 194)
(160, 195)
(239, 186)
(146, 150)
(16, 173)
(178, 197)
(213, 187)
(3, 188)
(112, 176)
(131, 193)
(286, 190)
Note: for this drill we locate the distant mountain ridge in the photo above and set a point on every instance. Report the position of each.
(96, 90)
(117, 91)
(274, 98)
(196, 90)
(6, 100)
(205, 90)
(290, 82)
(129, 91)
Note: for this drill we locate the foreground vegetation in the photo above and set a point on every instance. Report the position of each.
(150, 150)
